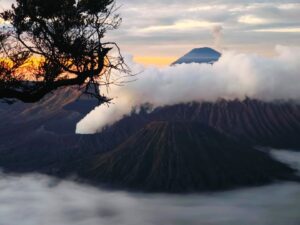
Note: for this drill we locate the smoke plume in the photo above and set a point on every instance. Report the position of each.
(217, 33)
(234, 76)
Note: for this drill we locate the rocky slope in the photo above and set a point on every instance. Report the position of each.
(272, 124)
(183, 157)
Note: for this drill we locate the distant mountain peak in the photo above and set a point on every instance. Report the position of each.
(205, 50)
(199, 55)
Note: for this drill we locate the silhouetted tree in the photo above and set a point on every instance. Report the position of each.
(66, 38)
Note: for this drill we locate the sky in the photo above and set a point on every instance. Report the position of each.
(167, 29)
(158, 32)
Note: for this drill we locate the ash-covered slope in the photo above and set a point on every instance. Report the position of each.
(272, 124)
(183, 157)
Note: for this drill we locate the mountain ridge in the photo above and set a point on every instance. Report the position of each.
(41, 138)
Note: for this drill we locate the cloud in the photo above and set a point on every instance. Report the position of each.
(2, 21)
(167, 28)
(162, 25)
(250, 19)
(280, 30)
(235, 75)
(182, 25)
(37, 199)
(6, 4)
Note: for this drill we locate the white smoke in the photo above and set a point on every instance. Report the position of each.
(217, 33)
(235, 75)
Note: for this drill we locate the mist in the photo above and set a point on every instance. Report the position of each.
(38, 199)
(234, 76)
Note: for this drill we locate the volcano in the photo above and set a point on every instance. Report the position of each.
(257, 123)
(41, 138)
(199, 55)
(184, 157)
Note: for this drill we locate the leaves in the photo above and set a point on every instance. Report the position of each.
(67, 36)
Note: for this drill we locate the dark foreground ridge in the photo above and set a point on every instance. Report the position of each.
(184, 157)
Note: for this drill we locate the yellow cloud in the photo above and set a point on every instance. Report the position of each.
(3, 22)
(207, 8)
(181, 25)
(250, 19)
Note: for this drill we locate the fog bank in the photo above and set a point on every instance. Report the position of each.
(235, 75)
(38, 199)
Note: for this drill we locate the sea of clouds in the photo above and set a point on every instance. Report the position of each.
(42, 200)
(235, 75)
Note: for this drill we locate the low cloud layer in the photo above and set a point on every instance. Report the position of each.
(233, 76)
(30, 200)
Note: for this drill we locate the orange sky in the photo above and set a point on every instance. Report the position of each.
(155, 61)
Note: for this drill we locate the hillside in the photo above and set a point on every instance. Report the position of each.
(272, 124)
(41, 138)
(183, 157)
